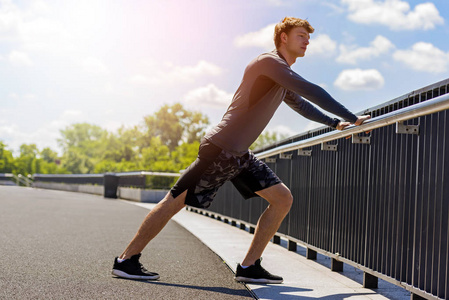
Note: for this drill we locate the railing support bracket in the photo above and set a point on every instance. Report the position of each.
(406, 129)
(357, 139)
(302, 152)
(328, 147)
(270, 160)
(285, 156)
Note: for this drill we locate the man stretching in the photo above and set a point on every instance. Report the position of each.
(223, 154)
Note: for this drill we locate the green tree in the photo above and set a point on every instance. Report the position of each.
(27, 162)
(267, 138)
(184, 155)
(87, 138)
(76, 162)
(124, 146)
(50, 162)
(6, 159)
(84, 146)
(49, 155)
(174, 124)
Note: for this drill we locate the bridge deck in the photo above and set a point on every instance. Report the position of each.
(58, 245)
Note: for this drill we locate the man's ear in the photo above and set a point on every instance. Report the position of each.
(284, 37)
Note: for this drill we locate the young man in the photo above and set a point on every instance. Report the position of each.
(223, 154)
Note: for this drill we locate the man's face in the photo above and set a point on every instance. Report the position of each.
(297, 41)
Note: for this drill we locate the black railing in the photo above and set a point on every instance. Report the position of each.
(111, 181)
(378, 201)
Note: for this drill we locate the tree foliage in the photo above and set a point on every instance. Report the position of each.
(166, 141)
(174, 125)
(267, 138)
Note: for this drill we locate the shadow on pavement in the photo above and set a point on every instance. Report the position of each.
(215, 289)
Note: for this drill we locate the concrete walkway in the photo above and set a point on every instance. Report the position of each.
(303, 278)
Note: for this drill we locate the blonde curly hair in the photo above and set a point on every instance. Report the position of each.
(287, 24)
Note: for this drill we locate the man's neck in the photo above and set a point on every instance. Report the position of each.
(287, 56)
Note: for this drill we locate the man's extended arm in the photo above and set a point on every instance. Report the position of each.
(281, 73)
(307, 110)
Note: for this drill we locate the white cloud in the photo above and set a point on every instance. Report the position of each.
(396, 14)
(46, 35)
(18, 58)
(276, 2)
(43, 136)
(94, 66)
(10, 17)
(167, 73)
(424, 57)
(202, 68)
(208, 96)
(262, 38)
(33, 29)
(24, 97)
(357, 79)
(321, 45)
(312, 125)
(378, 46)
(140, 79)
(284, 130)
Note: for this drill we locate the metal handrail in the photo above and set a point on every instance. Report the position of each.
(417, 110)
(23, 179)
(123, 174)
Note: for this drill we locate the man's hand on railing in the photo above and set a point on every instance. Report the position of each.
(342, 125)
(361, 119)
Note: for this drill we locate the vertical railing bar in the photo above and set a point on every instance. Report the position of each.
(446, 282)
(436, 239)
(401, 211)
(393, 207)
(309, 200)
(430, 235)
(381, 212)
(354, 174)
(356, 179)
(439, 211)
(333, 199)
(290, 184)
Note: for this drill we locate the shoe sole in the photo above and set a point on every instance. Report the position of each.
(258, 280)
(126, 275)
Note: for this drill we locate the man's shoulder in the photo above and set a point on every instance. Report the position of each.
(270, 59)
(272, 55)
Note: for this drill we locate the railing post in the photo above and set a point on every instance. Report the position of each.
(276, 239)
(110, 182)
(311, 254)
(336, 266)
(370, 281)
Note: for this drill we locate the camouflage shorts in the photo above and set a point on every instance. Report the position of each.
(214, 167)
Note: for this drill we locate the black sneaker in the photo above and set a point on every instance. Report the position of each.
(256, 274)
(132, 269)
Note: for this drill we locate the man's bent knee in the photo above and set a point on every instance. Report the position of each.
(278, 195)
(286, 200)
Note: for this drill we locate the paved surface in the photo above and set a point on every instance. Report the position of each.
(303, 278)
(61, 245)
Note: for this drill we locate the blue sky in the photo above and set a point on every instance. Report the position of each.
(111, 63)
